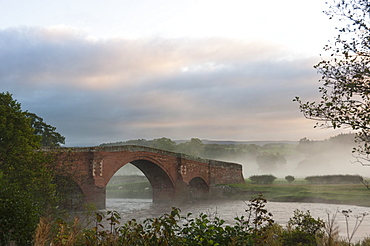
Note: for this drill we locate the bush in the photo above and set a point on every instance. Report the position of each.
(303, 229)
(289, 178)
(335, 179)
(262, 179)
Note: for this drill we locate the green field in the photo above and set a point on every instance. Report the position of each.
(301, 191)
(140, 189)
(279, 191)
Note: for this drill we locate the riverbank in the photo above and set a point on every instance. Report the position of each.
(279, 191)
(351, 194)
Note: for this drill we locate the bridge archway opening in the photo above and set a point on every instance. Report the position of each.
(69, 192)
(129, 182)
(198, 188)
(163, 188)
(151, 182)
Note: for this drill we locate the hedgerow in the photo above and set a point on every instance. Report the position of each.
(335, 179)
(262, 179)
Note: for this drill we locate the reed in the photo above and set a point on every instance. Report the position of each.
(43, 232)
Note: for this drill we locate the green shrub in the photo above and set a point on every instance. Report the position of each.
(262, 179)
(302, 229)
(289, 178)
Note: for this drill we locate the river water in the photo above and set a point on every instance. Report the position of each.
(141, 209)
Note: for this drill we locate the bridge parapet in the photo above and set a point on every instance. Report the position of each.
(136, 148)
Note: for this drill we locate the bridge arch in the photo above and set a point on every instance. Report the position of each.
(69, 185)
(162, 185)
(120, 161)
(159, 177)
(198, 187)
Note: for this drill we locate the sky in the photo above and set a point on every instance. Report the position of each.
(115, 70)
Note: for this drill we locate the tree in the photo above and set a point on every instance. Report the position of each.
(163, 143)
(268, 162)
(16, 134)
(27, 187)
(193, 147)
(49, 136)
(345, 93)
(289, 178)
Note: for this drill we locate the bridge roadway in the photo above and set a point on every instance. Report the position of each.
(173, 176)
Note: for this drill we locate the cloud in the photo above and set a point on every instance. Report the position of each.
(96, 90)
(54, 54)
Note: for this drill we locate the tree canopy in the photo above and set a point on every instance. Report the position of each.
(345, 89)
(49, 136)
(27, 187)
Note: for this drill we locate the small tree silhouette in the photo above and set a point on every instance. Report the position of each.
(289, 178)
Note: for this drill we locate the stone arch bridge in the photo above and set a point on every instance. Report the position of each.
(173, 176)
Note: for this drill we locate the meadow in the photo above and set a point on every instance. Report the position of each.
(279, 191)
(301, 191)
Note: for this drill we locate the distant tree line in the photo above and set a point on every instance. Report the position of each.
(342, 141)
(270, 157)
(325, 154)
(266, 156)
(195, 147)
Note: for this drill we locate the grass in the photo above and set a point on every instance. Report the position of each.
(280, 191)
(141, 189)
(129, 186)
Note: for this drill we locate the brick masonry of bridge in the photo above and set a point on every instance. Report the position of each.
(173, 176)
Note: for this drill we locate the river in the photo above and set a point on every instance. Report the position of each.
(140, 209)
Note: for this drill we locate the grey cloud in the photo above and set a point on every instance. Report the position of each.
(96, 91)
(46, 54)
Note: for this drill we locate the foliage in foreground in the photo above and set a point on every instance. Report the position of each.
(29, 183)
(256, 227)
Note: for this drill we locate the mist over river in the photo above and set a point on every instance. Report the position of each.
(141, 209)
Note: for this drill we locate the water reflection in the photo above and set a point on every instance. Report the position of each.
(140, 209)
